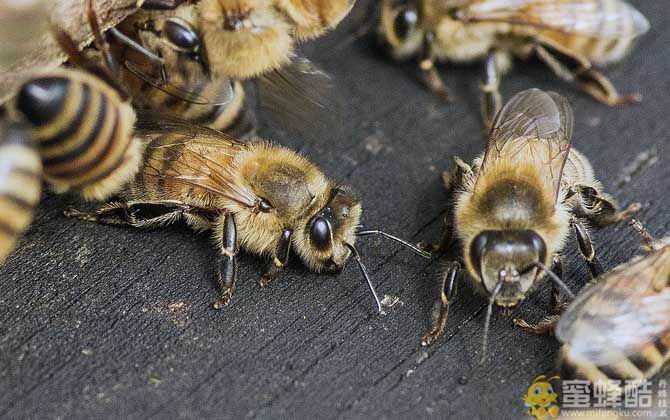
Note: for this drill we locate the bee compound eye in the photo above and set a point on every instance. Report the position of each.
(181, 34)
(320, 232)
(405, 22)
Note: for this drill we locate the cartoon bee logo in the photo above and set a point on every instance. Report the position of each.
(541, 398)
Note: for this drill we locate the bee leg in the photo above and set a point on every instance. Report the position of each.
(135, 214)
(546, 325)
(279, 261)
(557, 304)
(429, 74)
(161, 4)
(601, 88)
(600, 208)
(587, 249)
(576, 69)
(226, 236)
(490, 87)
(447, 292)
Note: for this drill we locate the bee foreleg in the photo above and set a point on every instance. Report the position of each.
(546, 326)
(490, 87)
(447, 292)
(226, 236)
(587, 249)
(432, 79)
(556, 304)
(279, 261)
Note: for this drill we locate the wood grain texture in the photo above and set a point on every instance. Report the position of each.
(45, 54)
(103, 322)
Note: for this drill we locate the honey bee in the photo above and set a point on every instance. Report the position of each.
(20, 183)
(82, 126)
(618, 328)
(512, 209)
(255, 196)
(188, 59)
(570, 36)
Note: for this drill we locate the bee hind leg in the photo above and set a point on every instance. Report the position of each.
(279, 261)
(576, 69)
(447, 292)
(135, 214)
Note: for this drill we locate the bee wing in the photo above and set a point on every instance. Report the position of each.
(533, 126)
(589, 18)
(201, 158)
(302, 97)
(625, 310)
(205, 92)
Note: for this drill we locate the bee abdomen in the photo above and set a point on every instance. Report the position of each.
(629, 371)
(20, 173)
(82, 129)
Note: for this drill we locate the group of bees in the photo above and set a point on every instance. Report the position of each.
(140, 115)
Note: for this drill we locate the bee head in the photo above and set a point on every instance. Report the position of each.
(244, 38)
(328, 232)
(509, 258)
(400, 28)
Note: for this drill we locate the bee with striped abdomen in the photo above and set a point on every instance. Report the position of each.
(618, 328)
(512, 209)
(83, 131)
(570, 36)
(188, 58)
(82, 125)
(20, 183)
(255, 196)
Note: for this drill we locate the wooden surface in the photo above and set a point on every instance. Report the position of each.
(103, 322)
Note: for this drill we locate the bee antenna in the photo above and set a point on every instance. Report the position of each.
(489, 313)
(415, 249)
(557, 281)
(357, 257)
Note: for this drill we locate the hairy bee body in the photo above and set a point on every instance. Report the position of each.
(20, 184)
(512, 209)
(83, 132)
(293, 186)
(618, 330)
(569, 36)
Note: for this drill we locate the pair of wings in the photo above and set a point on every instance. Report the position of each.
(194, 155)
(609, 19)
(534, 127)
(625, 310)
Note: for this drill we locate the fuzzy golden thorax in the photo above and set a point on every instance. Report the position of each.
(299, 193)
(244, 38)
(507, 219)
(311, 18)
(404, 25)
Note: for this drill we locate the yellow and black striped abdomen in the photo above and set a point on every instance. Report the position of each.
(83, 132)
(20, 183)
(632, 369)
